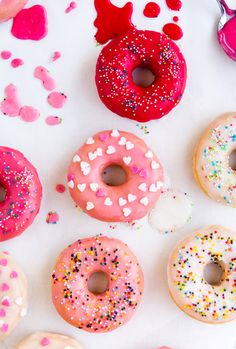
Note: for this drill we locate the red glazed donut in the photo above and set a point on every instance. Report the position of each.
(126, 202)
(102, 312)
(23, 193)
(141, 49)
(10, 8)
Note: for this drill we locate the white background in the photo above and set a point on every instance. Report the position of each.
(211, 90)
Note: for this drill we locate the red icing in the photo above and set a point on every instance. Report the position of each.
(175, 18)
(173, 31)
(30, 23)
(226, 37)
(152, 10)
(114, 75)
(16, 62)
(60, 188)
(6, 54)
(174, 5)
(111, 21)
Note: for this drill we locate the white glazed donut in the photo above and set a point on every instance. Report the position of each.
(13, 294)
(211, 303)
(211, 160)
(48, 340)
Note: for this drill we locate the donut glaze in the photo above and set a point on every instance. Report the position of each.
(39, 340)
(211, 160)
(23, 193)
(13, 295)
(10, 8)
(137, 48)
(85, 310)
(187, 285)
(129, 201)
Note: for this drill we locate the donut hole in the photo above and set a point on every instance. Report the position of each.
(214, 273)
(143, 76)
(114, 175)
(98, 283)
(2, 193)
(232, 160)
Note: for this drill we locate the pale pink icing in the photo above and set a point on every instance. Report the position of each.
(6, 55)
(9, 8)
(42, 74)
(10, 106)
(129, 201)
(29, 114)
(17, 62)
(23, 193)
(13, 295)
(85, 310)
(53, 120)
(31, 23)
(227, 37)
(57, 99)
(71, 7)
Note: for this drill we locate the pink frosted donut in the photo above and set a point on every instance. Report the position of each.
(130, 201)
(102, 312)
(10, 8)
(23, 193)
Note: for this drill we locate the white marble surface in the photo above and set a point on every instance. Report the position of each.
(211, 90)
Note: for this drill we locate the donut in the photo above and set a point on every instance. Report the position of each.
(13, 294)
(23, 193)
(131, 200)
(84, 309)
(211, 160)
(213, 302)
(144, 49)
(10, 8)
(40, 340)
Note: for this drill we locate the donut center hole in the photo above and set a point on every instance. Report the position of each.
(114, 175)
(214, 273)
(2, 193)
(143, 76)
(98, 283)
(232, 160)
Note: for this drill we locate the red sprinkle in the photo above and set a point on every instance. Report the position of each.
(60, 188)
(174, 5)
(151, 10)
(173, 31)
(16, 62)
(6, 54)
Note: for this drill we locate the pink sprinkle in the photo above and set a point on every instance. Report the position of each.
(6, 302)
(4, 328)
(2, 313)
(13, 275)
(45, 341)
(53, 120)
(134, 169)
(71, 7)
(6, 54)
(100, 193)
(5, 287)
(17, 62)
(57, 99)
(29, 114)
(103, 136)
(60, 188)
(3, 262)
(10, 106)
(42, 74)
(143, 173)
(56, 56)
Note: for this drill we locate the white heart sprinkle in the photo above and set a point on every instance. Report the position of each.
(144, 201)
(19, 301)
(99, 152)
(89, 206)
(127, 160)
(122, 202)
(85, 167)
(92, 156)
(154, 165)
(132, 197)
(127, 211)
(129, 145)
(110, 150)
(108, 202)
(122, 141)
(71, 184)
(159, 185)
(149, 154)
(23, 312)
(115, 133)
(153, 188)
(76, 158)
(93, 186)
(143, 187)
(90, 140)
(81, 187)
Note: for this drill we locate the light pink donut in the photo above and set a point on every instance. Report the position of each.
(10, 8)
(129, 201)
(85, 310)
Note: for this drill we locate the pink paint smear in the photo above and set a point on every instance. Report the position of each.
(43, 75)
(57, 99)
(53, 120)
(71, 7)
